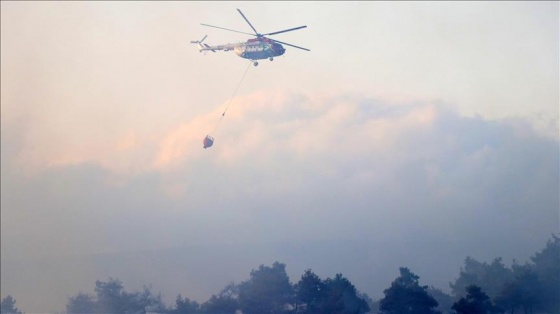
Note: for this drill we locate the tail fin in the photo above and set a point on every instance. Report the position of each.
(199, 42)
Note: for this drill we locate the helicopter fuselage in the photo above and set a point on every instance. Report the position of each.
(259, 49)
(253, 49)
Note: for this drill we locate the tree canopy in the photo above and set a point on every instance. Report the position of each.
(475, 302)
(531, 287)
(111, 297)
(267, 291)
(481, 287)
(8, 306)
(336, 295)
(406, 296)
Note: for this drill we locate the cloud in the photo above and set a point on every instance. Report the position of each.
(285, 139)
(316, 154)
(412, 183)
(302, 126)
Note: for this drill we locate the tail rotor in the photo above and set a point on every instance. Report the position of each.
(199, 43)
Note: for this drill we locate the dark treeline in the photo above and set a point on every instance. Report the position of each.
(533, 287)
(267, 291)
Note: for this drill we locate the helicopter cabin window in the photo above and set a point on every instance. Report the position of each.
(254, 48)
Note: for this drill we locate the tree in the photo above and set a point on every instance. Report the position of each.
(342, 297)
(369, 301)
(444, 300)
(8, 306)
(524, 292)
(406, 296)
(267, 291)
(489, 277)
(185, 306)
(147, 301)
(547, 268)
(112, 298)
(81, 303)
(217, 304)
(475, 302)
(223, 303)
(310, 293)
(336, 295)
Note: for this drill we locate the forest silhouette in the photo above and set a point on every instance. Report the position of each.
(532, 287)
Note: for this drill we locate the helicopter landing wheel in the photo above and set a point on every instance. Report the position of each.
(255, 63)
(270, 58)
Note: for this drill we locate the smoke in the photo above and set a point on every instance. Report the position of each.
(394, 183)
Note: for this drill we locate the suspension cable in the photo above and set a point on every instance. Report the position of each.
(232, 96)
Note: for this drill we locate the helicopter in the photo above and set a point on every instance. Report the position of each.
(253, 49)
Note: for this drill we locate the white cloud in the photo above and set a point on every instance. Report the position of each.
(296, 168)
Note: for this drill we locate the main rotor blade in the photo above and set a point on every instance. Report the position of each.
(256, 33)
(283, 43)
(286, 30)
(227, 29)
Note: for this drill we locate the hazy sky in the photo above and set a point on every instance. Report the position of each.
(415, 126)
